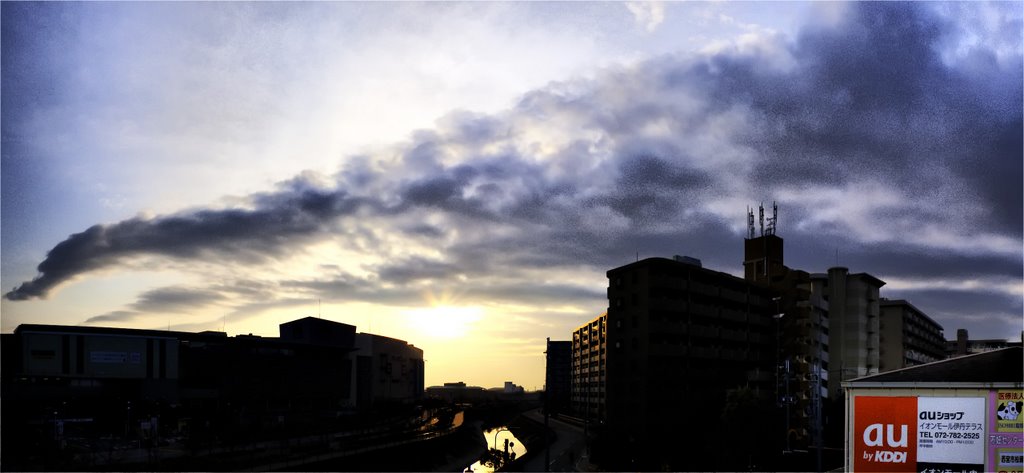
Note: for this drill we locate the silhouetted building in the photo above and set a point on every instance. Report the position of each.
(854, 326)
(558, 376)
(828, 330)
(511, 388)
(50, 361)
(386, 370)
(142, 384)
(801, 329)
(318, 331)
(589, 369)
(779, 342)
(679, 338)
(458, 392)
(964, 345)
(908, 336)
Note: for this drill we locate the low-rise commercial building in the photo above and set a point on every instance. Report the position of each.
(201, 384)
(960, 414)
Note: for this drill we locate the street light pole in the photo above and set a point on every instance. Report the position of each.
(496, 432)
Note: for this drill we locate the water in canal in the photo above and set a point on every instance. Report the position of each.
(496, 439)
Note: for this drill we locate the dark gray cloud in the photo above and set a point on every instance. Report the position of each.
(176, 299)
(118, 316)
(169, 299)
(417, 268)
(586, 175)
(278, 221)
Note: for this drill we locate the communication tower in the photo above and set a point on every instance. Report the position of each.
(760, 210)
(750, 223)
(773, 219)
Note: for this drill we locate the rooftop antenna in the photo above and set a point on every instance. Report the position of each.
(773, 219)
(750, 223)
(760, 209)
(775, 216)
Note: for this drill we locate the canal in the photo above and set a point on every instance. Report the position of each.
(495, 439)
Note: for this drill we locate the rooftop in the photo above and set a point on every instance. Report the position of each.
(999, 366)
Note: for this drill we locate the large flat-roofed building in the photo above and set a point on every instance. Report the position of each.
(387, 370)
(103, 353)
(202, 383)
(679, 338)
(908, 336)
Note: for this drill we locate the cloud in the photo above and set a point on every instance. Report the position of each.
(647, 14)
(119, 316)
(872, 139)
(276, 221)
(176, 299)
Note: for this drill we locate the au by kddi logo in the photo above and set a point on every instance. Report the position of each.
(873, 438)
(885, 434)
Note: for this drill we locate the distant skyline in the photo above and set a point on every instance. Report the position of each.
(461, 175)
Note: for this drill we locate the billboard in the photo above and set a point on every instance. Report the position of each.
(1006, 431)
(919, 434)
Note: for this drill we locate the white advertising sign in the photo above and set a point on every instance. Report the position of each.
(951, 430)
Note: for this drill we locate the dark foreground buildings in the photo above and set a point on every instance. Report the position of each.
(558, 377)
(696, 369)
(83, 387)
(679, 339)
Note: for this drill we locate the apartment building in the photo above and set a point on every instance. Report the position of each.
(801, 318)
(678, 338)
(965, 345)
(589, 369)
(558, 377)
(908, 336)
(854, 326)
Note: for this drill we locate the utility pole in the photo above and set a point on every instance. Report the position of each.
(547, 405)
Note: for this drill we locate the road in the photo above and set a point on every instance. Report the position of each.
(568, 452)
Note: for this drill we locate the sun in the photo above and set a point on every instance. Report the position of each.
(445, 322)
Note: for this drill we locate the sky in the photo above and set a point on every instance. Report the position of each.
(462, 175)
